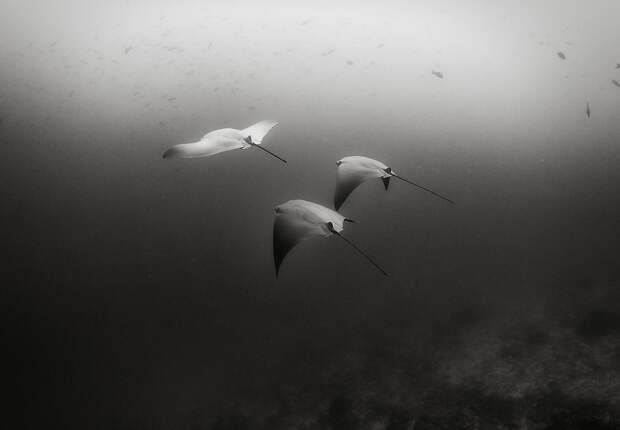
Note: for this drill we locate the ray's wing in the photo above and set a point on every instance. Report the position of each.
(349, 178)
(288, 230)
(184, 150)
(259, 130)
(209, 145)
(215, 144)
(386, 182)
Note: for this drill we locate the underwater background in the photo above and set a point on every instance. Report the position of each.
(140, 293)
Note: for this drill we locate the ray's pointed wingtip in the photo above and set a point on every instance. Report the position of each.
(386, 182)
(277, 265)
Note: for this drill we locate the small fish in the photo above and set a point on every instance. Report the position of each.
(438, 74)
(329, 52)
(129, 48)
(616, 83)
(617, 65)
(561, 55)
(588, 112)
(349, 62)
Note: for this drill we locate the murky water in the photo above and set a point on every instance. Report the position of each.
(141, 292)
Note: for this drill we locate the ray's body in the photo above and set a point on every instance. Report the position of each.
(225, 139)
(299, 220)
(355, 170)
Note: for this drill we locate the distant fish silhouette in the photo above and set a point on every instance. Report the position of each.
(129, 48)
(561, 55)
(328, 52)
(617, 65)
(438, 74)
(588, 111)
(616, 83)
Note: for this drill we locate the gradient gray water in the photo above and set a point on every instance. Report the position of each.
(142, 291)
